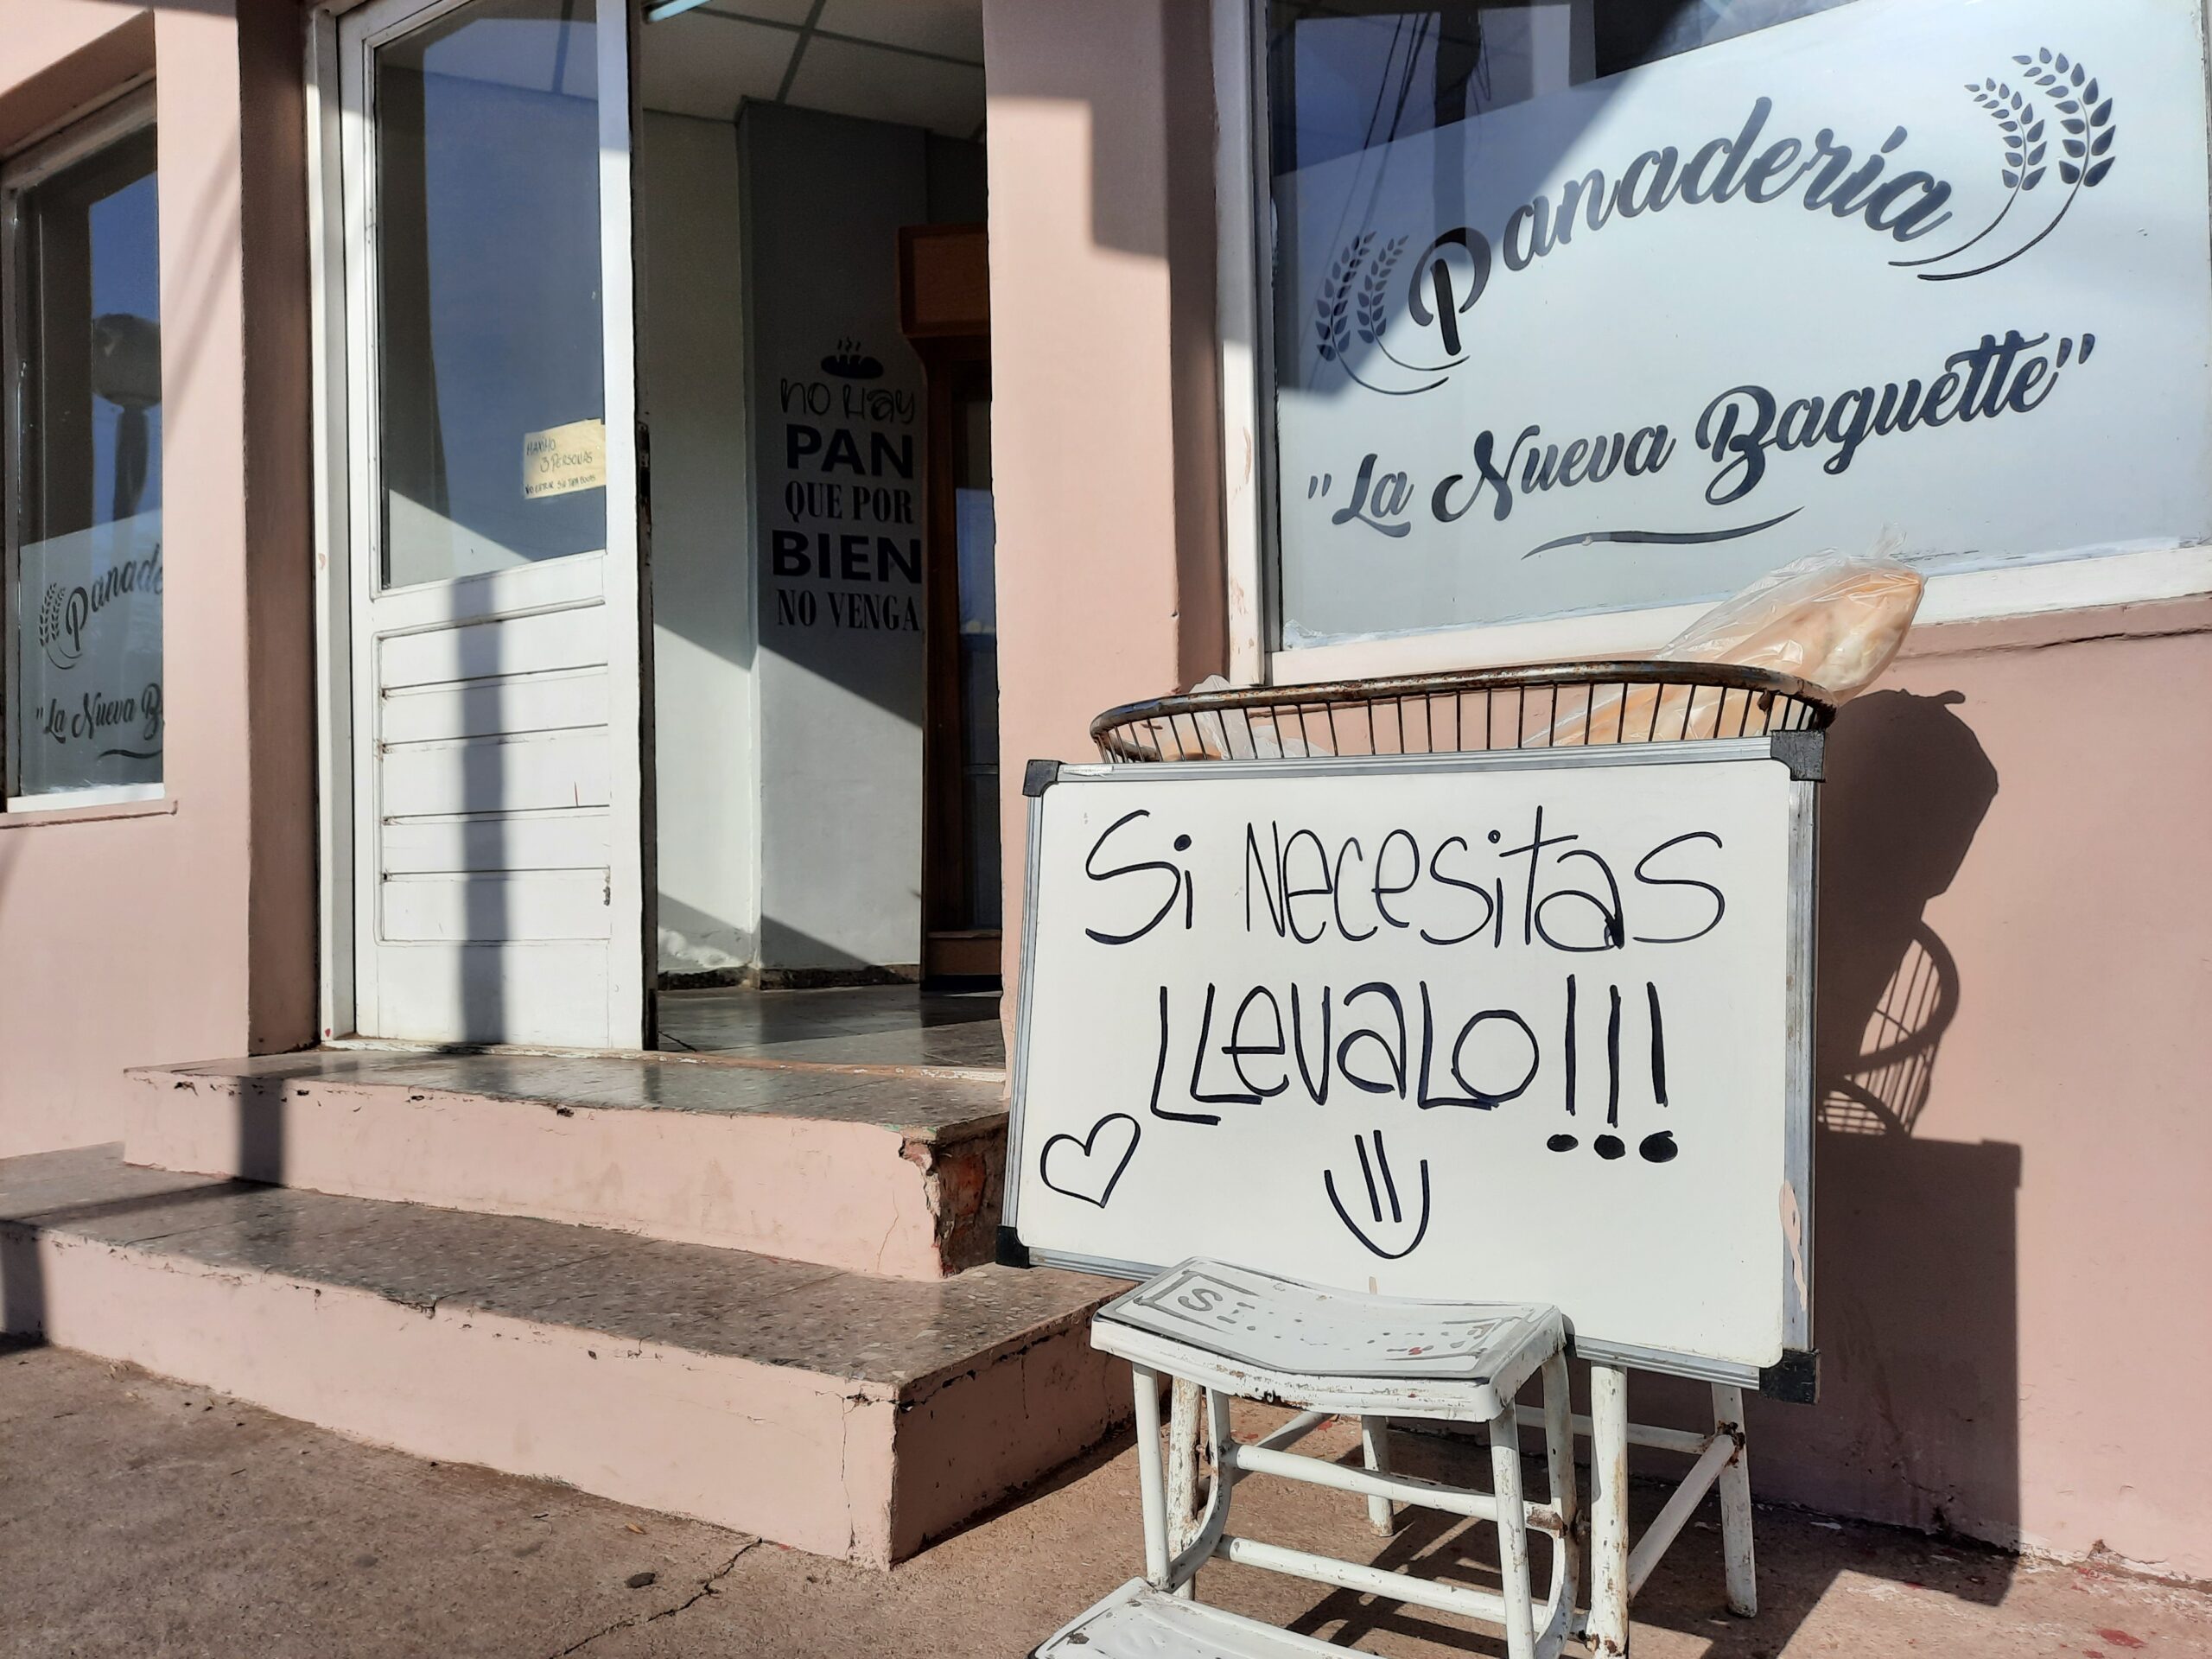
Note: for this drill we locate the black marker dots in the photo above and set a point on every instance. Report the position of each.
(1654, 1148)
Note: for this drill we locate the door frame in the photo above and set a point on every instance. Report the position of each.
(944, 314)
(957, 952)
(338, 242)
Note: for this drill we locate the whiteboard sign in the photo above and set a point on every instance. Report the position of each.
(1516, 1028)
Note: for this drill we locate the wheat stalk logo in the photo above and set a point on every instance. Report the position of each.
(2025, 148)
(1335, 300)
(60, 631)
(1354, 302)
(2084, 122)
(1373, 313)
(2087, 123)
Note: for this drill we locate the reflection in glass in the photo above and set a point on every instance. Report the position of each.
(1395, 128)
(85, 651)
(488, 328)
(1348, 75)
(978, 528)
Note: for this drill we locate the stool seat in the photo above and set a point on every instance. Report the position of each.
(1138, 1622)
(1258, 1335)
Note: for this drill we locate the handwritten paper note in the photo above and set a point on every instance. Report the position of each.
(563, 460)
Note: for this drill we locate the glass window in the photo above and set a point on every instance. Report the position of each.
(976, 521)
(493, 442)
(84, 462)
(1592, 306)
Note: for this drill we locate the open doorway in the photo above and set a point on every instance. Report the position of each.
(814, 370)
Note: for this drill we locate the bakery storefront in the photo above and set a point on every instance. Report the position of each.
(549, 526)
(1563, 322)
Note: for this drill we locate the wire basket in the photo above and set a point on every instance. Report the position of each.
(1548, 705)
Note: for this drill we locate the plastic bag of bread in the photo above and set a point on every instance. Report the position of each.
(1833, 618)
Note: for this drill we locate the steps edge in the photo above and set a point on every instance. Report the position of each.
(865, 1471)
(909, 1205)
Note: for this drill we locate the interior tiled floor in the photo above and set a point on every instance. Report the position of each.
(869, 1025)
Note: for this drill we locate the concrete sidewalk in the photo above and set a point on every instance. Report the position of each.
(140, 1517)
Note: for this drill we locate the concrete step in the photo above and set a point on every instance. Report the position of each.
(883, 1026)
(896, 1174)
(838, 1413)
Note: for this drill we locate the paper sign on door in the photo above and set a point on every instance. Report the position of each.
(564, 459)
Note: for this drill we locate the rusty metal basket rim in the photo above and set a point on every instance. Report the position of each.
(1523, 676)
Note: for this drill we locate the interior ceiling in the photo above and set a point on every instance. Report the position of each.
(919, 63)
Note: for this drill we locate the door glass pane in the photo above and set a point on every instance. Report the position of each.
(976, 525)
(86, 651)
(488, 235)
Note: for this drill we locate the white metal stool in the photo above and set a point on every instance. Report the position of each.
(1237, 1334)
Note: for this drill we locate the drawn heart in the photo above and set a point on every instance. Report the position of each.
(1090, 1167)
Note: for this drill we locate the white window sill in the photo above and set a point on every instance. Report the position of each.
(29, 814)
(2133, 578)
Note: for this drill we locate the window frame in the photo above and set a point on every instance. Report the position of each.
(121, 117)
(1245, 333)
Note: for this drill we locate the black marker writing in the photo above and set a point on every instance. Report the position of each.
(1377, 1198)
(1177, 880)
(1719, 902)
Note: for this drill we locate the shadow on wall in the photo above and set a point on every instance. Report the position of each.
(1916, 1245)
(215, 8)
(1915, 1268)
(1125, 133)
(1908, 788)
(23, 1282)
(793, 949)
(695, 941)
(23, 1291)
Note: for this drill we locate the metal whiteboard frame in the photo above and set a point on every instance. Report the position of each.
(1795, 1376)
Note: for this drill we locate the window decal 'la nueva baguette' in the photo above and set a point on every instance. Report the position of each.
(1880, 265)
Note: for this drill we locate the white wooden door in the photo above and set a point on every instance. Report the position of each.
(498, 759)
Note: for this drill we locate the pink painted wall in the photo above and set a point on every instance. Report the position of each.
(2010, 1292)
(1105, 446)
(186, 930)
(2011, 1256)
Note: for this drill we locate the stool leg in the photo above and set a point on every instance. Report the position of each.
(1736, 1504)
(1207, 1529)
(1512, 1533)
(1559, 1468)
(1559, 1441)
(1374, 1442)
(1150, 1482)
(1182, 1471)
(1608, 1627)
